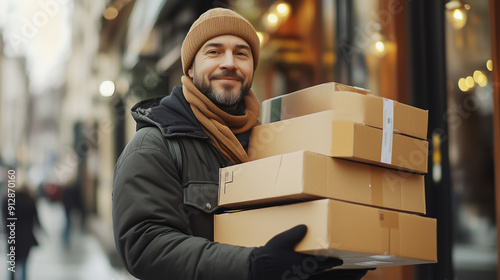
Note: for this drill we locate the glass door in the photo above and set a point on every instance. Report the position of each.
(470, 123)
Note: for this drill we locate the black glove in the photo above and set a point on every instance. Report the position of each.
(341, 274)
(278, 260)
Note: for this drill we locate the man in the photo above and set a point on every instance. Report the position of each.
(166, 180)
(24, 226)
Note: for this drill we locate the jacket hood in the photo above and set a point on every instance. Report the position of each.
(171, 114)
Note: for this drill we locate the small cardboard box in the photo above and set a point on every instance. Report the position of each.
(327, 133)
(362, 236)
(365, 108)
(304, 175)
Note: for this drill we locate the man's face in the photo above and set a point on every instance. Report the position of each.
(223, 70)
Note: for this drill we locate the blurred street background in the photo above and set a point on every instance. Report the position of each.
(81, 259)
(70, 70)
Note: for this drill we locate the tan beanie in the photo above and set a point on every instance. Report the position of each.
(217, 22)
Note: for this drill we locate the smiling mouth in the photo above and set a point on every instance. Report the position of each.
(227, 76)
(228, 79)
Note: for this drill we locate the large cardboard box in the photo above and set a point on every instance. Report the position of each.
(305, 175)
(328, 133)
(362, 236)
(368, 109)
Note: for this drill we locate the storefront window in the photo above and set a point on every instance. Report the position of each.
(316, 42)
(471, 139)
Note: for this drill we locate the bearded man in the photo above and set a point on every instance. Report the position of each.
(165, 186)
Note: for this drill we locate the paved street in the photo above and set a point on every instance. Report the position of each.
(84, 259)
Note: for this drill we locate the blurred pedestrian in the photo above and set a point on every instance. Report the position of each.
(63, 185)
(166, 180)
(71, 200)
(26, 223)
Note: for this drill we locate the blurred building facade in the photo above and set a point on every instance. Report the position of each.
(422, 53)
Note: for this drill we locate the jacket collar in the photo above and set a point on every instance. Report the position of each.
(171, 114)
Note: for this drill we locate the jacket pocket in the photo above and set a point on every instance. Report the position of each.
(202, 196)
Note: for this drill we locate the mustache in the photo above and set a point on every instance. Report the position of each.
(226, 74)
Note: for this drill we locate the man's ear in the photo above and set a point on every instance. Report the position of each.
(190, 72)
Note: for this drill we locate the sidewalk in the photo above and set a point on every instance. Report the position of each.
(84, 259)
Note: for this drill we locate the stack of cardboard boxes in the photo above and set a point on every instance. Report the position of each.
(344, 162)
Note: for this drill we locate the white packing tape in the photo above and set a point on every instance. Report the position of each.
(387, 130)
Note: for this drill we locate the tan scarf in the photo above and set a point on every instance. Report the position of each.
(219, 125)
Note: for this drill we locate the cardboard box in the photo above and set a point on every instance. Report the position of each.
(367, 109)
(304, 175)
(362, 236)
(326, 133)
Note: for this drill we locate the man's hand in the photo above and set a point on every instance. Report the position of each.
(278, 260)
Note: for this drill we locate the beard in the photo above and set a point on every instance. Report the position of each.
(225, 97)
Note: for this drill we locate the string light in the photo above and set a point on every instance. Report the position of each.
(456, 13)
(277, 14)
(379, 45)
(272, 18)
(478, 78)
(283, 9)
(462, 85)
(489, 65)
(469, 81)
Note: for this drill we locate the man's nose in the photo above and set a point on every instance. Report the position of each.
(228, 61)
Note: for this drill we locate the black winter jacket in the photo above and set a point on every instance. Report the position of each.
(163, 208)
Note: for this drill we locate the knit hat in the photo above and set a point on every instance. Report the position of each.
(216, 22)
